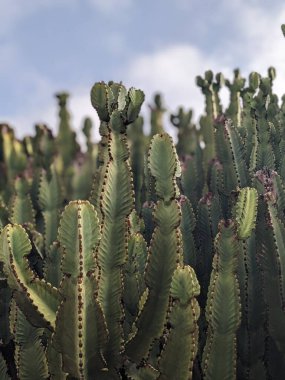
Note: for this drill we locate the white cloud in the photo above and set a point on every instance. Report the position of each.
(172, 72)
(261, 42)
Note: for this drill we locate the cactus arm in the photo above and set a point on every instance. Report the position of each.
(116, 203)
(251, 335)
(52, 269)
(278, 230)
(206, 84)
(188, 224)
(188, 136)
(14, 155)
(37, 368)
(138, 141)
(211, 111)
(165, 247)
(55, 364)
(78, 235)
(223, 308)
(183, 330)
(224, 153)
(27, 337)
(99, 100)
(246, 211)
(133, 277)
(102, 160)
(156, 119)
(4, 214)
(271, 280)
(28, 344)
(208, 135)
(38, 296)
(22, 208)
(66, 138)
(208, 216)
(234, 110)
(80, 346)
(190, 178)
(82, 179)
(238, 153)
(264, 153)
(278, 188)
(163, 164)
(3, 369)
(231, 154)
(249, 122)
(136, 98)
(50, 201)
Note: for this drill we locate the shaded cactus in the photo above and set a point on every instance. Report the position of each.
(156, 118)
(188, 136)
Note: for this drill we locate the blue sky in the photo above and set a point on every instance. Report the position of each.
(157, 45)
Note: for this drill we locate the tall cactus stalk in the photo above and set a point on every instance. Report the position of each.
(223, 310)
(165, 247)
(117, 108)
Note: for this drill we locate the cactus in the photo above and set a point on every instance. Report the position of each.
(80, 346)
(188, 136)
(157, 111)
(66, 137)
(183, 326)
(138, 143)
(117, 108)
(165, 246)
(234, 109)
(223, 307)
(108, 290)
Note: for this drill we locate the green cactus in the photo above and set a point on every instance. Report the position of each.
(138, 146)
(37, 299)
(13, 158)
(111, 294)
(117, 108)
(21, 206)
(188, 136)
(3, 369)
(66, 140)
(80, 345)
(183, 327)
(50, 203)
(165, 246)
(156, 118)
(234, 111)
(223, 307)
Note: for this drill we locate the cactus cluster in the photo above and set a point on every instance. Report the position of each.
(138, 259)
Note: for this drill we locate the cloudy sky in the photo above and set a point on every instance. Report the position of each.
(157, 45)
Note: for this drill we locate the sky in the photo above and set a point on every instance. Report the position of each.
(47, 46)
